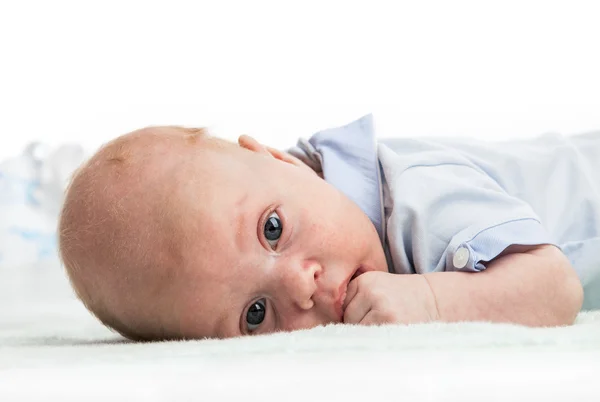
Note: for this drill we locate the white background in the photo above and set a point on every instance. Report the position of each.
(88, 71)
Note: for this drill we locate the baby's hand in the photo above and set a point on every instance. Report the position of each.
(384, 298)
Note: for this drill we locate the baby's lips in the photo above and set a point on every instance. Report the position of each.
(339, 306)
(341, 303)
(343, 300)
(359, 271)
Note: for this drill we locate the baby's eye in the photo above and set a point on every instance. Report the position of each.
(273, 229)
(256, 314)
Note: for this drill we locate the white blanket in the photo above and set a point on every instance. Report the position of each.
(52, 349)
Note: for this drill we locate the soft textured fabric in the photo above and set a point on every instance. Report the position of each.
(444, 205)
(52, 349)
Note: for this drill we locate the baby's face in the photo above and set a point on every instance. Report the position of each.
(268, 246)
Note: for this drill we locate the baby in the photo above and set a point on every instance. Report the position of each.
(170, 233)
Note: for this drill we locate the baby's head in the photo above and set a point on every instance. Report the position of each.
(169, 233)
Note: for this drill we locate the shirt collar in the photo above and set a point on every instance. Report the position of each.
(347, 157)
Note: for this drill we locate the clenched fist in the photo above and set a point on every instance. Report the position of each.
(384, 298)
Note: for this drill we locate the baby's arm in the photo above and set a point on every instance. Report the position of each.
(537, 288)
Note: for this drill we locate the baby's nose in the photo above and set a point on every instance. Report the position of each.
(301, 282)
(313, 269)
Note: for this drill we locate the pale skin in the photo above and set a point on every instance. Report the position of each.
(296, 277)
(267, 245)
(534, 286)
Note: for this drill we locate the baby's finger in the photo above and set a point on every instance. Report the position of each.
(356, 310)
(374, 317)
(351, 292)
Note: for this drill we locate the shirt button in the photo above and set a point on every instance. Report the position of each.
(461, 258)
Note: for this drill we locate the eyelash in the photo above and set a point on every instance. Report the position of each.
(270, 310)
(267, 307)
(268, 304)
(270, 212)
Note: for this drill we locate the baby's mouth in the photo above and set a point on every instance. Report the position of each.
(344, 289)
(360, 270)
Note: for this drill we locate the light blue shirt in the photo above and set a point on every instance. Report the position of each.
(454, 205)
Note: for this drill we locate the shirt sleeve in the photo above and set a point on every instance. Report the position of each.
(453, 217)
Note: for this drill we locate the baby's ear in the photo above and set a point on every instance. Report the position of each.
(245, 141)
(251, 144)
